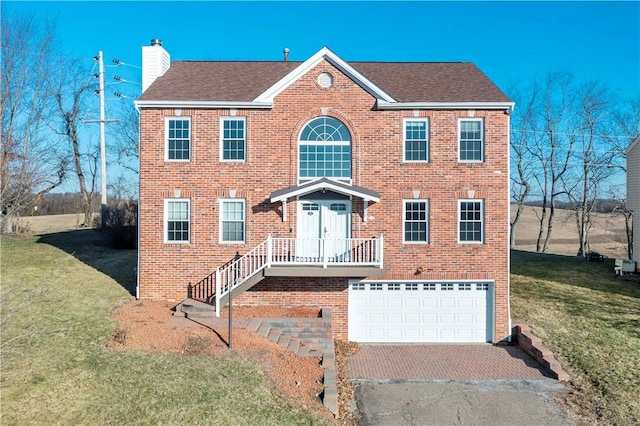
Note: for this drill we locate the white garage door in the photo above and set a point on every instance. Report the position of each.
(420, 311)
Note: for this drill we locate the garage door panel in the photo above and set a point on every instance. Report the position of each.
(412, 334)
(410, 301)
(466, 302)
(394, 302)
(431, 318)
(420, 312)
(448, 302)
(375, 319)
(412, 319)
(447, 319)
(394, 319)
(429, 302)
(466, 318)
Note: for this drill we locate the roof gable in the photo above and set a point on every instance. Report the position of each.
(333, 59)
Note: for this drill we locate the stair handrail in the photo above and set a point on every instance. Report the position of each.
(241, 269)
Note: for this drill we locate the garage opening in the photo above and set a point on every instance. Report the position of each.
(421, 311)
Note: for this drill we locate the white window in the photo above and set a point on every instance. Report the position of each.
(471, 140)
(232, 221)
(177, 218)
(416, 140)
(324, 150)
(471, 221)
(233, 139)
(178, 138)
(415, 221)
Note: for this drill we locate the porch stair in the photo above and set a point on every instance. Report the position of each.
(306, 337)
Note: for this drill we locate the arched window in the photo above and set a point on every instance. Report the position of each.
(325, 150)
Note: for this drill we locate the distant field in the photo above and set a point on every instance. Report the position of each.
(54, 223)
(606, 235)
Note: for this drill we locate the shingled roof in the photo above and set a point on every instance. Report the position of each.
(244, 81)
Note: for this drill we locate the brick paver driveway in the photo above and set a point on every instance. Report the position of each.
(443, 362)
(480, 385)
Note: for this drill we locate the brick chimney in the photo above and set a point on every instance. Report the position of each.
(155, 62)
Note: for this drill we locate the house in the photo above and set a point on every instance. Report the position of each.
(378, 190)
(633, 193)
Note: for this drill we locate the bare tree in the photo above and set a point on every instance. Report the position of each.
(30, 164)
(628, 120)
(127, 137)
(554, 125)
(594, 154)
(520, 157)
(71, 101)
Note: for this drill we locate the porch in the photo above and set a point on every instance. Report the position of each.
(291, 257)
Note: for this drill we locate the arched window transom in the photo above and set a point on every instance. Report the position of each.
(325, 149)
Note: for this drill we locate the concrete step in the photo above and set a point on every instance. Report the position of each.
(194, 309)
(294, 345)
(320, 330)
(254, 325)
(284, 340)
(273, 335)
(264, 330)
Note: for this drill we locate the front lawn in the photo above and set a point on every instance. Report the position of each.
(58, 294)
(591, 321)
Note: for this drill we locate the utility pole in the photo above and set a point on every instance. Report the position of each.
(103, 144)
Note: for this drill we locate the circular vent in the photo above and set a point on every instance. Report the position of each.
(325, 80)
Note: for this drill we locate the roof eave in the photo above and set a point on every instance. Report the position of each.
(508, 106)
(202, 104)
(632, 145)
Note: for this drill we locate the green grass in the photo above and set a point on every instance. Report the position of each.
(591, 321)
(57, 370)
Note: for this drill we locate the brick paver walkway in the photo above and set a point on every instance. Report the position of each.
(443, 362)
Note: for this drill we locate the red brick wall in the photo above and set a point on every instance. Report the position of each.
(166, 269)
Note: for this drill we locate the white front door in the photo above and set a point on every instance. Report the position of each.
(323, 224)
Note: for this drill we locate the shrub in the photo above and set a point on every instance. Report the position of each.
(121, 225)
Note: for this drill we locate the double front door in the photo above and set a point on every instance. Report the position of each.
(324, 227)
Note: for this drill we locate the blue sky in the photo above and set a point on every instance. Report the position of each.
(509, 41)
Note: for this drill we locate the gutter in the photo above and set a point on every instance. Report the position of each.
(507, 106)
(202, 104)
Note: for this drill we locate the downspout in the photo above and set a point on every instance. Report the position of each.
(139, 200)
(509, 325)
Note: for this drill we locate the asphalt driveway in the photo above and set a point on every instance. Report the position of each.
(452, 385)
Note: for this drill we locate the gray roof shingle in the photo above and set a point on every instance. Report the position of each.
(243, 81)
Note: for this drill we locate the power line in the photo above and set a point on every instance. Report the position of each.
(569, 134)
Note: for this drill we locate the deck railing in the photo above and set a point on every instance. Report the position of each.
(324, 252)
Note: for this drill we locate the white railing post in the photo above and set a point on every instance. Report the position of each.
(325, 258)
(218, 291)
(381, 250)
(269, 250)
